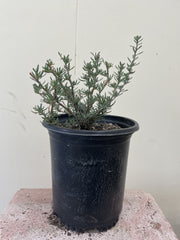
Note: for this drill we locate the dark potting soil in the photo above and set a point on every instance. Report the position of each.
(104, 126)
(98, 126)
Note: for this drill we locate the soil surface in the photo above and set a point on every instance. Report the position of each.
(99, 126)
(104, 126)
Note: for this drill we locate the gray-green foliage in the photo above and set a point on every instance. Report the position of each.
(62, 94)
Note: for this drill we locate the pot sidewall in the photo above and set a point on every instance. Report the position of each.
(88, 176)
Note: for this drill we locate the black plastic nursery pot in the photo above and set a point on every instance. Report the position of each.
(88, 173)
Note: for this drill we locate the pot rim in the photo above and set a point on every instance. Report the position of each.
(129, 126)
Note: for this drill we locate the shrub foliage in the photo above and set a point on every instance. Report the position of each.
(88, 98)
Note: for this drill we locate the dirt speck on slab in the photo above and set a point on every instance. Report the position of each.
(45, 213)
(54, 220)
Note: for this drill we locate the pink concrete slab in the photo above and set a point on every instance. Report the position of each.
(26, 219)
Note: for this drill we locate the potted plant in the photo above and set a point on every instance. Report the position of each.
(89, 148)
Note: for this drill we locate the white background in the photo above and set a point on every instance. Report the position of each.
(33, 31)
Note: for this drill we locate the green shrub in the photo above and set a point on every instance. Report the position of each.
(88, 103)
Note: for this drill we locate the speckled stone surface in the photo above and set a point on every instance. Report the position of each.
(26, 219)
